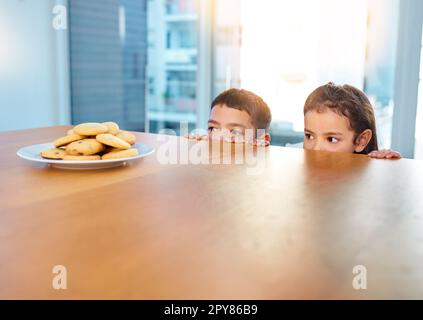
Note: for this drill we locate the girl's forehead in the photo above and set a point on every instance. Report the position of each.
(326, 120)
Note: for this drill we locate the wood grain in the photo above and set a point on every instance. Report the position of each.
(157, 231)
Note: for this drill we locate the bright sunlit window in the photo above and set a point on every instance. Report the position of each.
(302, 49)
(418, 152)
(291, 47)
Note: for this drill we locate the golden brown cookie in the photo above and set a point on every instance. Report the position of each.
(81, 158)
(112, 127)
(110, 140)
(67, 139)
(70, 132)
(126, 136)
(54, 153)
(117, 154)
(90, 129)
(85, 147)
(107, 149)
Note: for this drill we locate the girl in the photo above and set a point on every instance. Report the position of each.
(341, 119)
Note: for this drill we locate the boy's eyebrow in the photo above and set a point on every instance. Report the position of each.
(231, 124)
(234, 124)
(211, 121)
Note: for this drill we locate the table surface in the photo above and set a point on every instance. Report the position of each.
(294, 229)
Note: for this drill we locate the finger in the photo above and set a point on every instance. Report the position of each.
(261, 143)
(394, 155)
(373, 154)
(239, 139)
(378, 155)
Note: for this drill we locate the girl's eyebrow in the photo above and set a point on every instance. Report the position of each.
(333, 134)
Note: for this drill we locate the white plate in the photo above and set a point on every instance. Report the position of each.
(32, 153)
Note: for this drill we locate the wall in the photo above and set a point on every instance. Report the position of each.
(34, 85)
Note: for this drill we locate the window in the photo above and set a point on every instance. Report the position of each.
(108, 43)
(275, 49)
(172, 63)
(418, 153)
(350, 42)
(152, 64)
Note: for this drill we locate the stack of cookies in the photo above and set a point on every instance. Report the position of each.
(93, 141)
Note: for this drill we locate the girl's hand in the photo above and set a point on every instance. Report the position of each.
(385, 154)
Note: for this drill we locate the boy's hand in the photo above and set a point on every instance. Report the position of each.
(196, 136)
(385, 154)
(260, 143)
(202, 136)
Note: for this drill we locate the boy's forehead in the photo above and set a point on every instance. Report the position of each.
(224, 114)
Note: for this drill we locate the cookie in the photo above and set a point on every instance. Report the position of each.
(112, 127)
(107, 149)
(117, 154)
(81, 158)
(126, 136)
(85, 147)
(70, 132)
(90, 129)
(54, 153)
(110, 140)
(67, 139)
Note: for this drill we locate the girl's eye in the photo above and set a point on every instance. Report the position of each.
(213, 129)
(333, 140)
(308, 136)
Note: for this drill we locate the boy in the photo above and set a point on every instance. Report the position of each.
(234, 114)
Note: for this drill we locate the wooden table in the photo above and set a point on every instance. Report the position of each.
(157, 231)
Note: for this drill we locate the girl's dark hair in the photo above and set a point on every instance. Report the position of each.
(347, 101)
(249, 102)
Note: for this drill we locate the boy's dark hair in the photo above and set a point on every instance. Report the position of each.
(249, 102)
(347, 101)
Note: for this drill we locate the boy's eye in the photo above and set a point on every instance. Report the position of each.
(237, 132)
(308, 136)
(333, 140)
(213, 129)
